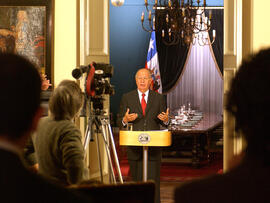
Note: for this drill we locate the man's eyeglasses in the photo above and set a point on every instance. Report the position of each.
(143, 78)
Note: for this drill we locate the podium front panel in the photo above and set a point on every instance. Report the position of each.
(145, 138)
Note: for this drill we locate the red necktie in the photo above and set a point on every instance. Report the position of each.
(143, 103)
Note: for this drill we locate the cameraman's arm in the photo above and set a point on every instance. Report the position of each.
(73, 155)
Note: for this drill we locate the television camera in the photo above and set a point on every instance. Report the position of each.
(96, 82)
(96, 86)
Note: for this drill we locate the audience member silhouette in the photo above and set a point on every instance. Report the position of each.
(20, 87)
(248, 100)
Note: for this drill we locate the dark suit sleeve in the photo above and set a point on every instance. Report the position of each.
(163, 108)
(162, 104)
(122, 111)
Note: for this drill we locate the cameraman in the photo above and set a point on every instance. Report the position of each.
(57, 141)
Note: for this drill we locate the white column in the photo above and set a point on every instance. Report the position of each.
(94, 47)
(232, 58)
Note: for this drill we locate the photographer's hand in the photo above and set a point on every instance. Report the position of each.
(129, 117)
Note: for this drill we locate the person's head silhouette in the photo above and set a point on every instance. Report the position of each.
(249, 100)
(20, 87)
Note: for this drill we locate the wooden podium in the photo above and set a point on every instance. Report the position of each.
(145, 139)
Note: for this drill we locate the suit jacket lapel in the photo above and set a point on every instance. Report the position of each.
(137, 102)
(149, 101)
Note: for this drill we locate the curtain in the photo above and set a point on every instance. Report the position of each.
(171, 58)
(201, 83)
(217, 24)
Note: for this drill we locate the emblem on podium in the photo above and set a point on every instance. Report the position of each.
(144, 138)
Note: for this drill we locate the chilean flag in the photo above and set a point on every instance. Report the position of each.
(152, 64)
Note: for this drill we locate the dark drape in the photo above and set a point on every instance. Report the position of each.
(171, 60)
(217, 24)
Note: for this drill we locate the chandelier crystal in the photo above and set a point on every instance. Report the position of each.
(179, 21)
(117, 3)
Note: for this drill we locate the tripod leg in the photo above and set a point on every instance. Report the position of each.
(99, 160)
(88, 137)
(115, 154)
(108, 152)
(112, 175)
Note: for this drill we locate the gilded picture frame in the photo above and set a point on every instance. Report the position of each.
(27, 28)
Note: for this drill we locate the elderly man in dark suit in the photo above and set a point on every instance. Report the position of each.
(20, 87)
(144, 109)
(249, 180)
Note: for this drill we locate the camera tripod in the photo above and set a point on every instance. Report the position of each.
(106, 131)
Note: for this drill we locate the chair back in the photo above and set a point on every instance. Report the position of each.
(131, 192)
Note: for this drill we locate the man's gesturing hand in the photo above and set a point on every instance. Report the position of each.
(164, 116)
(129, 117)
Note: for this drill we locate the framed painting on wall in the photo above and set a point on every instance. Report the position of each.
(26, 28)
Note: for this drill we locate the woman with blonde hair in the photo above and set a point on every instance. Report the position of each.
(57, 141)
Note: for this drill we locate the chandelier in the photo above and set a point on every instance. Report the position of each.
(179, 21)
(117, 3)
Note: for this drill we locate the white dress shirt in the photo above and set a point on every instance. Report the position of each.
(140, 98)
(145, 97)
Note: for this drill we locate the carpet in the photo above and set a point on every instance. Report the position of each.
(178, 172)
(183, 172)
